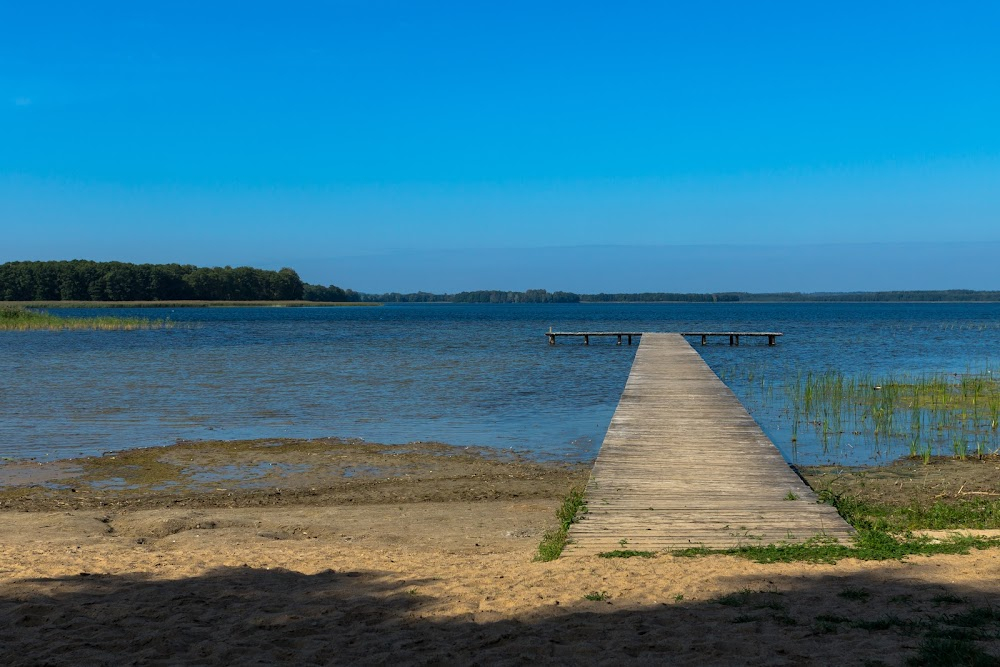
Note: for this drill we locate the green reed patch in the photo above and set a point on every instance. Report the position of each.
(920, 415)
(925, 416)
(19, 318)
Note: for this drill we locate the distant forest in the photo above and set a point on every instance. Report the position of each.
(315, 293)
(83, 280)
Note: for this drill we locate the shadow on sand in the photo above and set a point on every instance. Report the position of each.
(243, 616)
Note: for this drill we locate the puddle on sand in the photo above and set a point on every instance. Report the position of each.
(247, 475)
(112, 484)
(24, 473)
(366, 471)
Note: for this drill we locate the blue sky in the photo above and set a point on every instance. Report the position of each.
(448, 146)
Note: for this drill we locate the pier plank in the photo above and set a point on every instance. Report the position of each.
(683, 464)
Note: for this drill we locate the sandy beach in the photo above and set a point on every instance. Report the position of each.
(417, 579)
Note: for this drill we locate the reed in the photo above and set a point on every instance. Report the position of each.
(19, 318)
(190, 304)
(929, 415)
(877, 417)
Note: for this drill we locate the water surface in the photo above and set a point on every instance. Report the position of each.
(461, 374)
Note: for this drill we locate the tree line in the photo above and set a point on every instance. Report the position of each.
(542, 296)
(84, 280)
(332, 293)
(880, 297)
(528, 296)
(660, 297)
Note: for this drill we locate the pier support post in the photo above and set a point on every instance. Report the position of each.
(704, 339)
(630, 340)
(770, 341)
(586, 339)
(552, 339)
(619, 339)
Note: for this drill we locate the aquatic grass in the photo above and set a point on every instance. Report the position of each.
(191, 303)
(17, 318)
(922, 416)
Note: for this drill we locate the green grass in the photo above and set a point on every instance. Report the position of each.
(855, 594)
(944, 652)
(554, 541)
(946, 598)
(595, 596)
(883, 533)
(627, 553)
(870, 544)
(17, 318)
(977, 513)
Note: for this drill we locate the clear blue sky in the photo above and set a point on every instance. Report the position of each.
(387, 146)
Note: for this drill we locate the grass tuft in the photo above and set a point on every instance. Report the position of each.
(554, 541)
(942, 652)
(627, 553)
(856, 594)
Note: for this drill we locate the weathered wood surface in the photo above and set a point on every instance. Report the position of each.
(683, 464)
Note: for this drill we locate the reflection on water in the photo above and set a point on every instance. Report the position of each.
(462, 374)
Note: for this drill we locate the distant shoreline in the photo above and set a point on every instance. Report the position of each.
(341, 304)
(187, 304)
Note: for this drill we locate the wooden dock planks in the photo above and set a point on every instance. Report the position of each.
(683, 465)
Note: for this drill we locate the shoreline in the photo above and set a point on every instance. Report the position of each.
(336, 471)
(282, 472)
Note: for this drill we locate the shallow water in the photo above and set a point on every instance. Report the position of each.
(462, 374)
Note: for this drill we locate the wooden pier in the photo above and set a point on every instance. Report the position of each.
(684, 465)
(587, 334)
(734, 336)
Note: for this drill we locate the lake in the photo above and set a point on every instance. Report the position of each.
(461, 374)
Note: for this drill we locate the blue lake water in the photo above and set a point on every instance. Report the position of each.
(460, 374)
